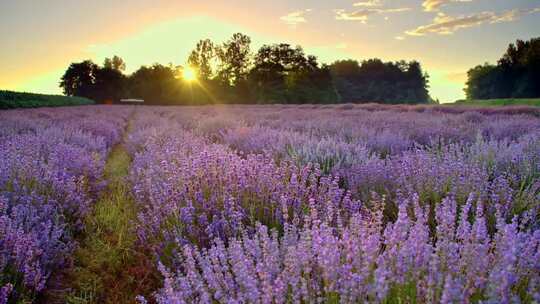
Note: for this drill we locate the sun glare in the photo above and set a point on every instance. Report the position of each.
(189, 74)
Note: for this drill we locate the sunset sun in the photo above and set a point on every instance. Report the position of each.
(189, 74)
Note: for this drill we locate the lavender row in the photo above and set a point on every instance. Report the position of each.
(50, 172)
(503, 172)
(191, 189)
(208, 199)
(433, 154)
(364, 262)
(255, 129)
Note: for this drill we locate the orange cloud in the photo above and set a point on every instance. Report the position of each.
(434, 5)
(362, 15)
(296, 17)
(446, 25)
(369, 3)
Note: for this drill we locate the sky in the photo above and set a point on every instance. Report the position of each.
(39, 39)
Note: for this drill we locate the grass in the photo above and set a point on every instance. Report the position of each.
(109, 265)
(12, 100)
(501, 102)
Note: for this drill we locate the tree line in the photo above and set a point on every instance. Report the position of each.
(516, 74)
(231, 73)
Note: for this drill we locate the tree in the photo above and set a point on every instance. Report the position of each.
(345, 68)
(516, 75)
(87, 79)
(481, 83)
(234, 59)
(202, 59)
(156, 84)
(274, 62)
(415, 82)
(79, 79)
(376, 81)
(110, 85)
(280, 73)
(116, 63)
(285, 74)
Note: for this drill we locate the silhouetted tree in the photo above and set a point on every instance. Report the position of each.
(79, 79)
(516, 75)
(156, 84)
(277, 73)
(234, 59)
(202, 57)
(285, 74)
(483, 82)
(414, 83)
(116, 63)
(376, 81)
(110, 85)
(345, 68)
(87, 79)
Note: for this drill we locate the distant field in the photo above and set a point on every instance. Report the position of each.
(12, 100)
(501, 102)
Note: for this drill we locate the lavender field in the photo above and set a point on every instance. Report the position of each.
(270, 204)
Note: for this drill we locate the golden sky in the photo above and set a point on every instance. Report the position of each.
(40, 38)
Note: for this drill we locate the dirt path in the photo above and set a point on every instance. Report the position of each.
(109, 266)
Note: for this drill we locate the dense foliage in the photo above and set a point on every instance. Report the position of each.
(287, 204)
(516, 75)
(12, 100)
(374, 80)
(232, 73)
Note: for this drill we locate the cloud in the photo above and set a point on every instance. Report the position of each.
(399, 38)
(514, 14)
(434, 5)
(369, 3)
(447, 25)
(362, 15)
(295, 18)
